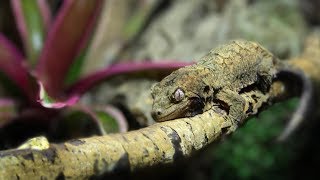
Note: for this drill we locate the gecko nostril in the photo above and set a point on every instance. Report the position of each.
(156, 114)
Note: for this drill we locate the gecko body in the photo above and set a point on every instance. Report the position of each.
(217, 80)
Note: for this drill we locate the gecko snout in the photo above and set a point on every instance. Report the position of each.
(156, 113)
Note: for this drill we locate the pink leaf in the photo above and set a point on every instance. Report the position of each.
(88, 82)
(105, 118)
(18, 14)
(46, 101)
(66, 38)
(11, 65)
(118, 116)
(32, 18)
(75, 92)
(45, 12)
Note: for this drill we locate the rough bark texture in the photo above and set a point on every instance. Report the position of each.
(161, 143)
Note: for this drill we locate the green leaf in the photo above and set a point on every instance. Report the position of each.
(31, 25)
(109, 124)
(75, 69)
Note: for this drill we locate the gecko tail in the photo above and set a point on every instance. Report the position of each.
(306, 90)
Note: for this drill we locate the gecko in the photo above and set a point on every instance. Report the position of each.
(218, 79)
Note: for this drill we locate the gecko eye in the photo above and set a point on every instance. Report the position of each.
(178, 95)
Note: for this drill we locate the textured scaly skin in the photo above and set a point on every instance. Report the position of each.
(217, 80)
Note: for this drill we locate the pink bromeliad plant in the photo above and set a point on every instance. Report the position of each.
(43, 79)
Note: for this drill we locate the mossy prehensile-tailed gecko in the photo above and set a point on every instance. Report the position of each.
(218, 80)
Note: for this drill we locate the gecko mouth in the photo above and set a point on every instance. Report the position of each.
(189, 108)
(173, 112)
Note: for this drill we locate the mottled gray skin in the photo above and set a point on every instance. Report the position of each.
(217, 79)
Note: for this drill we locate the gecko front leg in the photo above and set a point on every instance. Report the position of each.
(234, 104)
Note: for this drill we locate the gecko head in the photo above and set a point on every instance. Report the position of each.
(176, 96)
